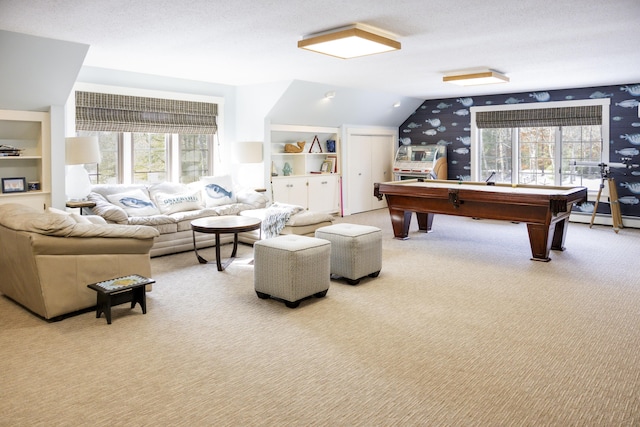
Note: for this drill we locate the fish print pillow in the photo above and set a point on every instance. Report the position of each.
(134, 203)
(218, 190)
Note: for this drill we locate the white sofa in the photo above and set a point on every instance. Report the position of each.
(170, 208)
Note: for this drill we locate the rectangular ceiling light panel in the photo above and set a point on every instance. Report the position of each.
(349, 43)
(479, 78)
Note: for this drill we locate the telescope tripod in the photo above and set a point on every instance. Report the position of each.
(616, 218)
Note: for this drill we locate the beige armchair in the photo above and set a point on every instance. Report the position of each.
(47, 259)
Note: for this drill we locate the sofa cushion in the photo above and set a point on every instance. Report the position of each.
(218, 190)
(25, 218)
(170, 203)
(252, 198)
(73, 216)
(134, 203)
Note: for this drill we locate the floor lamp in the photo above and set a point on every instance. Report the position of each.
(78, 152)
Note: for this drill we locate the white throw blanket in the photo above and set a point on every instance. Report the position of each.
(276, 217)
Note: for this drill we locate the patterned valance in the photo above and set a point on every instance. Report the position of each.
(123, 113)
(540, 117)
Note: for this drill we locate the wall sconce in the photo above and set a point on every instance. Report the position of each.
(476, 78)
(78, 152)
(349, 42)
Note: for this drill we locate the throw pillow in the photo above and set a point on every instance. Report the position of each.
(218, 190)
(172, 203)
(134, 203)
(74, 216)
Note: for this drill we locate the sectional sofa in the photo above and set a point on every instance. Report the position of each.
(170, 208)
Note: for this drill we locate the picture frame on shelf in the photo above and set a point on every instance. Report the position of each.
(14, 185)
(327, 166)
(334, 159)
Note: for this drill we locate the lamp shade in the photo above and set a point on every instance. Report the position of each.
(248, 152)
(81, 150)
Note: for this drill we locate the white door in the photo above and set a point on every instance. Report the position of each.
(382, 150)
(370, 160)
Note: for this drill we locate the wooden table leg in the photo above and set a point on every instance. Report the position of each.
(400, 221)
(195, 249)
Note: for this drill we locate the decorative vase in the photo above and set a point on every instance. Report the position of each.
(331, 146)
(287, 169)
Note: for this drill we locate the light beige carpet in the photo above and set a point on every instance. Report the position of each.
(460, 328)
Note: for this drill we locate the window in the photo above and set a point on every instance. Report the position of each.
(194, 157)
(559, 143)
(147, 140)
(149, 155)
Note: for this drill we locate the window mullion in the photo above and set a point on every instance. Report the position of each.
(557, 173)
(173, 159)
(515, 156)
(127, 158)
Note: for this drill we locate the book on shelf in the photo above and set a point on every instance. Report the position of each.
(8, 150)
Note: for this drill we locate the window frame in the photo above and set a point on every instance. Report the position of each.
(173, 162)
(475, 131)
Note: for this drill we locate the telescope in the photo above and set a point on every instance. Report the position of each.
(626, 164)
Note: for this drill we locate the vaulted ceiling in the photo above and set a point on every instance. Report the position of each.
(539, 44)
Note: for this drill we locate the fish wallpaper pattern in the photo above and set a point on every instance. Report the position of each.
(448, 122)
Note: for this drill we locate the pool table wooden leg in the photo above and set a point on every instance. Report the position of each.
(540, 237)
(559, 235)
(425, 220)
(400, 221)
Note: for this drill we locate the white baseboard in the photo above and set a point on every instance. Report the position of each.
(601, 219)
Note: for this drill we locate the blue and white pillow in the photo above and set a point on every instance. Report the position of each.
(134, 203)
(178, 202)
(218, 190)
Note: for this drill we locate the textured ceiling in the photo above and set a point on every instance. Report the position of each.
(539, 44)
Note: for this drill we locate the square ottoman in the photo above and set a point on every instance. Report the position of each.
(356, 250)
(292, 268)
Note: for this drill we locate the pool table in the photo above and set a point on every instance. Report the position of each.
(544, 209)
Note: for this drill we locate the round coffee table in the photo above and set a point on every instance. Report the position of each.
(222, 225)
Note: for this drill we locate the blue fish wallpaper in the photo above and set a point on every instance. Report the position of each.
(447, 122)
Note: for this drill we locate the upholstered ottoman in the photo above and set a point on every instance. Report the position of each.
(356, 250)
(292, 268)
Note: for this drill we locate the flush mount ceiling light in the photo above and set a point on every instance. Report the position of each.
(476, 78)
(349, 42)
(330, 94)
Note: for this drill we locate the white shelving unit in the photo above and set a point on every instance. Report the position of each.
(305, 185)
(30, 132)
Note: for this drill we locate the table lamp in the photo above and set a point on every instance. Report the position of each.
(80, 151)
(248, 155)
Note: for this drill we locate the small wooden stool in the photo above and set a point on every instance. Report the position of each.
(120, 290)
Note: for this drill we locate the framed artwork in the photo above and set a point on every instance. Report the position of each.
(14, 185)
(326, 167)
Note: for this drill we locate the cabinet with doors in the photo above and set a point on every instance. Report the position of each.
(311, 177)
(25, 166)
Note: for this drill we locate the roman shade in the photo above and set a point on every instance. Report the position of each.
(539, 117)
(123, 113)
